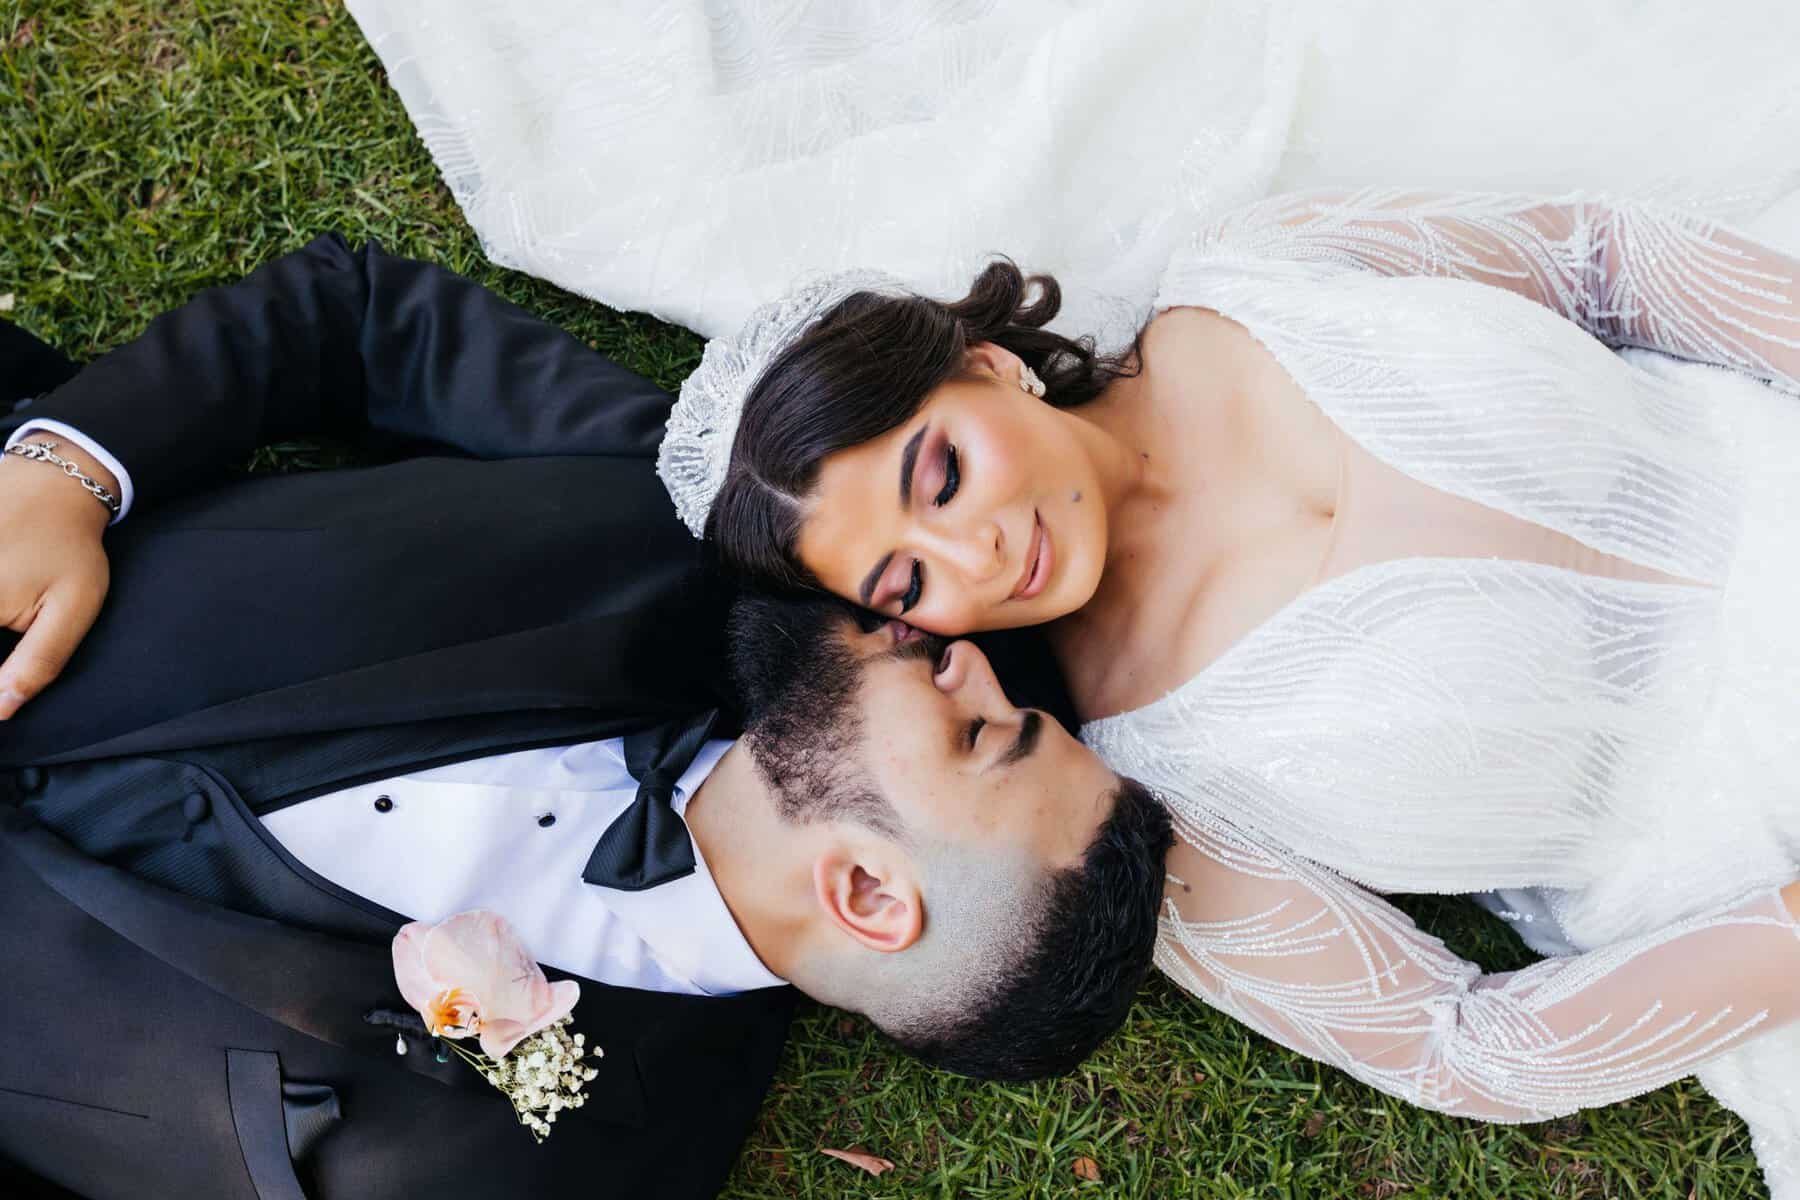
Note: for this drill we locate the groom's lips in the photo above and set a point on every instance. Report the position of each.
(1038, 559)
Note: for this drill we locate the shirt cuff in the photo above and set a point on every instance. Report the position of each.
(92, 447)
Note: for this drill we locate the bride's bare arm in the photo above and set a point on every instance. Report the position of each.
(1631, 274)
(1335, 972)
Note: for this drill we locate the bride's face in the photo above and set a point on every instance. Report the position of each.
(982, 512)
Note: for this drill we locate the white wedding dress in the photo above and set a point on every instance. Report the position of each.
(1554, 656)
(692, 158)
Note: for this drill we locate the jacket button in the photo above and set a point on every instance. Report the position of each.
(194, 807)
(31, 779)
(547, 820)
(384, 804)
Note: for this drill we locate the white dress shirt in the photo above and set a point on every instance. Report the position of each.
(75, 437)
(512, 833)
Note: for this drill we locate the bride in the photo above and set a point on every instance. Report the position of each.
(1422, 543)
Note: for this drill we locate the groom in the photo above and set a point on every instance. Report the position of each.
(318, 704)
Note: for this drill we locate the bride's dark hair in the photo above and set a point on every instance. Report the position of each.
(863, 369)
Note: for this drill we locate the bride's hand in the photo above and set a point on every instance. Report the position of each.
(53, 569)
(1790, 896)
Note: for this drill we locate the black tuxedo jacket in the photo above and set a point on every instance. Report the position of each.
(184, 1009)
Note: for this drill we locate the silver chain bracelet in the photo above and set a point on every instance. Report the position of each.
(45, 452)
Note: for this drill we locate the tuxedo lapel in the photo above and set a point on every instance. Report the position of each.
(320, 985)
(571, 671)
(275, 772)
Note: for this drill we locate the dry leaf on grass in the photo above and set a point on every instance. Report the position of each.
(1088, 1169)
(862, 1160)
(6, 302)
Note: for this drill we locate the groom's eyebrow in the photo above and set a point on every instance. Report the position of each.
(909, 457)
(1029, 731)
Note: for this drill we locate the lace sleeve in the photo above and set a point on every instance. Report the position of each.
(1334, 972)
(1630, 274)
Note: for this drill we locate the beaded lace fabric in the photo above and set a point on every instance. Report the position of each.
(696, 451)
(1616, 759)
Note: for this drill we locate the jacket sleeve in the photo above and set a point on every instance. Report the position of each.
(1333, 971)
(350, 343)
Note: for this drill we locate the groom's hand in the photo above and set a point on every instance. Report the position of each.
(53, 569)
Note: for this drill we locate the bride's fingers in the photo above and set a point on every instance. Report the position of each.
(49, 641)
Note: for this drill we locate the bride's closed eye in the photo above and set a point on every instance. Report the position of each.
(952, 478)
(952, 468)
(875, 591)
(910, 598)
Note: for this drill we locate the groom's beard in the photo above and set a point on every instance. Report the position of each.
(927, 646)
(805, 740)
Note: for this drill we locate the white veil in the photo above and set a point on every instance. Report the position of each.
(691, 158)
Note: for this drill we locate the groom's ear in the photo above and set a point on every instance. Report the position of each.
(871, 895)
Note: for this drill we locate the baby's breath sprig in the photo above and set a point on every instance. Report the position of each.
(542, 1076)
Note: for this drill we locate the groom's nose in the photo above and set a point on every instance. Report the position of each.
(964, 671)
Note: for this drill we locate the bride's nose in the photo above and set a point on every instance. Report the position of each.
(977, 552)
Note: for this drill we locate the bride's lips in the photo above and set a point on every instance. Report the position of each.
(1038, 559)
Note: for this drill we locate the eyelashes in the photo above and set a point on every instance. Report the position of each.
(947, 493)
(911, 597)
(952, 478)
(974, 732)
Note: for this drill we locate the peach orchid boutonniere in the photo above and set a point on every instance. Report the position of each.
(469, 976)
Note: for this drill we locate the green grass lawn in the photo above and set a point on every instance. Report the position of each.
(151, 148)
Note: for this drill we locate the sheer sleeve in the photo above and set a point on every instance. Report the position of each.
(1631, 274)
(1334, 972)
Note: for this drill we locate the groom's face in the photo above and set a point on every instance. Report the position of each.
(959, 762)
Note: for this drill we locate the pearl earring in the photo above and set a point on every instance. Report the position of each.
(1029, 381)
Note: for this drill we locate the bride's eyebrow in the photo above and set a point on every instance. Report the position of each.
(908, 457)
(874, 577)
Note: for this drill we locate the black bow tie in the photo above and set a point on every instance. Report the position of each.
(649, 843)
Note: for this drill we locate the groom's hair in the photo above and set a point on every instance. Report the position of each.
(1022, 970)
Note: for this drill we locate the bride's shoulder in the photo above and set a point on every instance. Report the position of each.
(1179, 334)
(1182, 346)
(1168, 328)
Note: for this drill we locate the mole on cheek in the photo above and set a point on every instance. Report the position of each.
(1075, 498)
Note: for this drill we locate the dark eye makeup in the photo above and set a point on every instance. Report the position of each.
(911, 596)
(946, 493)
(952, 477)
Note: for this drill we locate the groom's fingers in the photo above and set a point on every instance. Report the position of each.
(49, 641)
